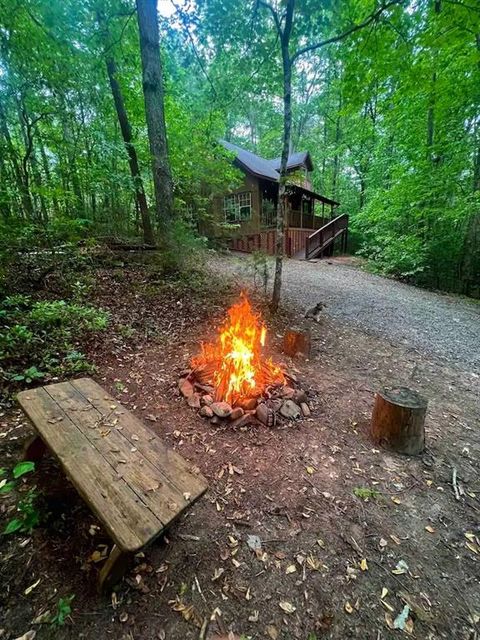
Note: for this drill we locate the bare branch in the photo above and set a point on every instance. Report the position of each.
(276, 19)
(356, 27)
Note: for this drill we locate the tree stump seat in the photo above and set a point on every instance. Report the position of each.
(132, 482)
(398, 420)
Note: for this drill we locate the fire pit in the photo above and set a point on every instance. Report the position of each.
(232, 379)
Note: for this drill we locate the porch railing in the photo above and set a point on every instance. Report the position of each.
(301, 220)
(322, 238)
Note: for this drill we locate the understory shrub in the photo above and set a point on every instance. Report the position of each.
(183, 250)
(403, 256)
(38, 339)
(34, 257)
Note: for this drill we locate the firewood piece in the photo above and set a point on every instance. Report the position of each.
(398, 420)
(297, 342)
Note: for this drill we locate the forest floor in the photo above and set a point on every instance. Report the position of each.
(334, 564)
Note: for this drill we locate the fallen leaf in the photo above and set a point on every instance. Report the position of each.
(348, 607)
(313, 562)
(402, 567)
(218, 572)
(384, 593)
(30, 635)
(272, 632)
(123, 616)
(253, 617)
(254, 542)
(364, 565)
(396, 500)
(32, 587)
(43, 618)
(395, 539)
(287, 607)
(401, 620)
(310, 470)
(472, 547)
(290, 569)
(429, 529)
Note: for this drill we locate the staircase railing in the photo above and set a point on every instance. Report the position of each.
(324, 236)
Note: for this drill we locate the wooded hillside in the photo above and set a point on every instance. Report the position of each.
(389, 113)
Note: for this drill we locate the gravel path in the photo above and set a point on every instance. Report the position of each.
(441, 325)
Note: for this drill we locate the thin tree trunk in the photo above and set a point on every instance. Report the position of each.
(336, 158)
(287, 127)
(470, 269)
(154, 108)
(132, 154)
(48, 175)
(22, 184)
(70, 148)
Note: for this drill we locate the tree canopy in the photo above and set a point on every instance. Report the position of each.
(390, 114)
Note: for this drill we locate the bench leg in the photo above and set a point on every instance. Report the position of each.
(34, 449)
(113, 569)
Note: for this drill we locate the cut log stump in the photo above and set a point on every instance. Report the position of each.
(295, 342)
(398, 420)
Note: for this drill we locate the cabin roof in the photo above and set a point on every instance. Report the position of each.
(269, 169)
(252, 163)
(263, 168)
(297, 159)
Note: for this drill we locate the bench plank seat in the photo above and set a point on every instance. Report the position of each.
(133, 483)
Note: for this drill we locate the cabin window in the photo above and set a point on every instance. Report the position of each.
(238, 206)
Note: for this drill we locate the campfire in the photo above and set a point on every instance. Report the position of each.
(232, 378)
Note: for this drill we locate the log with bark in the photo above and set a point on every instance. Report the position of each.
(398, 420)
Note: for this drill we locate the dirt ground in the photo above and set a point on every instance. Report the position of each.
(332, 564)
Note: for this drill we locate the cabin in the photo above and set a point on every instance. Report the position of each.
(312, 223)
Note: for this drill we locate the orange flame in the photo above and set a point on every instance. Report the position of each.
(234, 363)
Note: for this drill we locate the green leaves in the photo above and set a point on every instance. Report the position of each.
(64, 609)
(14, 525)
(22, 468)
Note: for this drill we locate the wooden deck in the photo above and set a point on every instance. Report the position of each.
(302, 243)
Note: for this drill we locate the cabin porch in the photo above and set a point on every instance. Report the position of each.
(307, 214)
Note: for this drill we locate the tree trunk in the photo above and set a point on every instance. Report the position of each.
(470, 263)
(22, 184)
(287, 127)
(132, 154)
(154, 108)
(398, 420)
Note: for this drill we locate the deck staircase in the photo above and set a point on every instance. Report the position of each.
(321, 241)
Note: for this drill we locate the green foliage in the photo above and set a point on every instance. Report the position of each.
(260, 267)
(64, 609)
(389, 114)
(38, 339)
(28, 515)
(365, 493)
(184, 250)
(20, 469)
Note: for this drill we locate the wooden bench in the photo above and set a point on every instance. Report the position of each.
(133, 483)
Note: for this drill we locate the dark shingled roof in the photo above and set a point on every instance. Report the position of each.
(252, 163)
(267, 168)
(296, 159)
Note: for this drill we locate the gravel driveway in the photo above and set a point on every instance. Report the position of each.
(445, 326)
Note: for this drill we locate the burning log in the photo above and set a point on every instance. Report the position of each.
(235, 364)
(398, 420)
